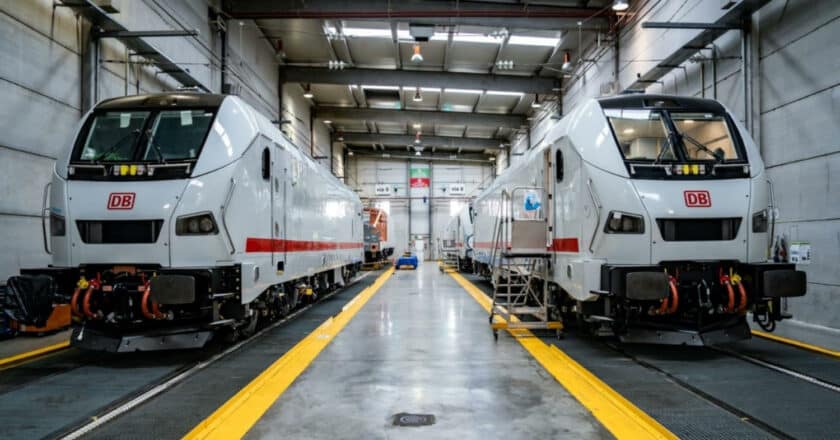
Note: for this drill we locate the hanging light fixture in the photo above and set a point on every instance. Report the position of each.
(567, 62)
(417, 96)
(620, 5)
(417, 57)
(417, 138)
(536, 103)
(307, 93)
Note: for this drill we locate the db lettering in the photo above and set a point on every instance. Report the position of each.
(121, 201)
(697, 199)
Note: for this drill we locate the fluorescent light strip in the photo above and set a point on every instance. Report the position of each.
(475, 38)
(367, 32)
(521, 40)
(381, 87)
(405, 35)
(501, 93)
(464, 91)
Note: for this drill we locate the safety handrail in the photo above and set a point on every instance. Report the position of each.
(223, 212)
(44, 216)
(597, 203)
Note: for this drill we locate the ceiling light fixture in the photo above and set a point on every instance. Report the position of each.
(349, 152)
(417, 126)
(504, 64)
(521, 40)
(503, 93)
(417, 138)
(536, 103)
(372, 87)
(567, 62)
(417, 57)
(307, 93)
(417, 96)
(417, 153)
(464, 91)
(620, 5)
(327, 121)
(476, 38)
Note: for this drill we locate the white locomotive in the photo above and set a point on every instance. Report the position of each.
(175, 215)
(656, 212)
(459, 231)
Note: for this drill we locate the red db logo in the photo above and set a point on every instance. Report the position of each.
(121, 201)
(697, 199)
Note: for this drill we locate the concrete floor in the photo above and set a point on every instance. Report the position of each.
(25, 343)
(422, 345)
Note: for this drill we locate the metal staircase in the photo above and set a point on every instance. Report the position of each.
(520, 262)
(448, 254)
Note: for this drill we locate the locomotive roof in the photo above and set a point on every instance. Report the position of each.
(167, 99)
(668, 102)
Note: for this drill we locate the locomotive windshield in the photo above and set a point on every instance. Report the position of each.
(139, 136)
(659, 143)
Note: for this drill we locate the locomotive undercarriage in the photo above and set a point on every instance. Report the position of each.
(138, 308)
(688, 303)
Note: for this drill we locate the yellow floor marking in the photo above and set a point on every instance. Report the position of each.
(618, 415)
(798, 344)
(18, 358)
(236, 416)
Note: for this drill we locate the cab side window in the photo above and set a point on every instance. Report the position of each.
(558, 164)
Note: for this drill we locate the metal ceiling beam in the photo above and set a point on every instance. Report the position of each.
(733, 17)
(401, 140)
(427, 118)
(442, 13)
(677, 25)
(106, 23)
(425, 157)
(418, 78)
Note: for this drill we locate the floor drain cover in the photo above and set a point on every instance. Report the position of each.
(406, 419)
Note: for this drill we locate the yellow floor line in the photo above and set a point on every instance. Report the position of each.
(618, 415)
(236, 416)
(33, 354)
(798, 344)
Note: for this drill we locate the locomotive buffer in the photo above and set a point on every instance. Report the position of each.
(520, 262)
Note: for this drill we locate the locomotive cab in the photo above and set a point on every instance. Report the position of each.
(659, 219)
(684, 245)
(174, 214)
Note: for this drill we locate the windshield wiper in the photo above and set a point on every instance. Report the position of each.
(661, 154)
(116, 146)
(158, 151)
(718, 157)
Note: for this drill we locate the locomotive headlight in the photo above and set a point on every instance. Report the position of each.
(196, 224)
(57, 225)
(623, 223)
(760, 220)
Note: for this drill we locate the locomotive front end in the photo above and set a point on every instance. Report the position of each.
(135, 229)
(686, 240)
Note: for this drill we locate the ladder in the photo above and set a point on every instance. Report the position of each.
(448, 253)
(520, 262)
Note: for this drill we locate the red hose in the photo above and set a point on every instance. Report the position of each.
(675, 297)
(730, 306)
(74, 302)
(742, 308)
(155, 312)
(86, 303)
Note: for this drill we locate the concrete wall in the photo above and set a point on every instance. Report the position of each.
(364, 173)
(40, 81)
(795, 117)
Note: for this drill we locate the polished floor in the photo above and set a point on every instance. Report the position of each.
(423, 346)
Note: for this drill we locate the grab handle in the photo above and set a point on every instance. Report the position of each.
(223, 213)
(44, 215)
(597, 203)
